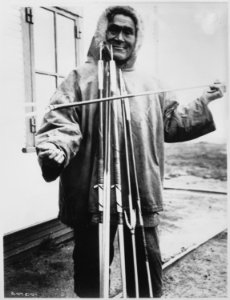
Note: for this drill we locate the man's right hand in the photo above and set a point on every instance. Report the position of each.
(50, 155)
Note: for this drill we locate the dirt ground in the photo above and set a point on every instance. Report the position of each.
(201, 274)
(48, 271)
(48, 274)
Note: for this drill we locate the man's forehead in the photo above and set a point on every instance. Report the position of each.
(123, 20)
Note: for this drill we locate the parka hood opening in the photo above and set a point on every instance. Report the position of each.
(100, 33)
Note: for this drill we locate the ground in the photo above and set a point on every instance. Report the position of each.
(48, 272)
(202, 274)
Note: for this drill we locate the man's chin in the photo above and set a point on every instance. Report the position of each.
(119, 58)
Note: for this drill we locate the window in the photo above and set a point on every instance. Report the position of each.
(51, 49)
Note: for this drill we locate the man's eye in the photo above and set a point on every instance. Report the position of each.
(128, 31)
(113, 29)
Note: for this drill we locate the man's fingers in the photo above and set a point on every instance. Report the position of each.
(219, 85)
(50, 156)
(215, 91)
(215, 86)
(46, 146)
(218, 89)
(53, 153)
(59, 158)
(43, 148)
(44, 153)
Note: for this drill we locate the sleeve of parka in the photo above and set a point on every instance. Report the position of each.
(185, 122)
(61, 127)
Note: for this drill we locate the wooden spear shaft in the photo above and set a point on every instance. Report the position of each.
(104, 275)
(87, 102)
(100, 185)
(118, 189)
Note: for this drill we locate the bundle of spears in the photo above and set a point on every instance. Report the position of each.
(108, 77)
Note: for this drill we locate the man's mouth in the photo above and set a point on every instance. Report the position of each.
(119, 48)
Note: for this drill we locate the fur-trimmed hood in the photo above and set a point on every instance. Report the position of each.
(100, 35)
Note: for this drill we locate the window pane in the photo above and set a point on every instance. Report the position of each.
(45, 88)
(44, 46)
(65, 45)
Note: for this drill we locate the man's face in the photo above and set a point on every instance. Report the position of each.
(121, 34)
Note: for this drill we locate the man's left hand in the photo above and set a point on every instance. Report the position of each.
(215, 91)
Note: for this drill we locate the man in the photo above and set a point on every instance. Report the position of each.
(67, 145)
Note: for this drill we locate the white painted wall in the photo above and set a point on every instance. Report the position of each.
(26, 199)
(187, 44)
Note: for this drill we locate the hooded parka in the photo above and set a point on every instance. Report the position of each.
(155, 119)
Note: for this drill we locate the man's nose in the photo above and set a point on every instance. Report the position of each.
(120, 36)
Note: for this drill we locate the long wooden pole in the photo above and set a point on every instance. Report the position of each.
(100, 184)
(117, 185)
(104, 275)
(105, 99)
